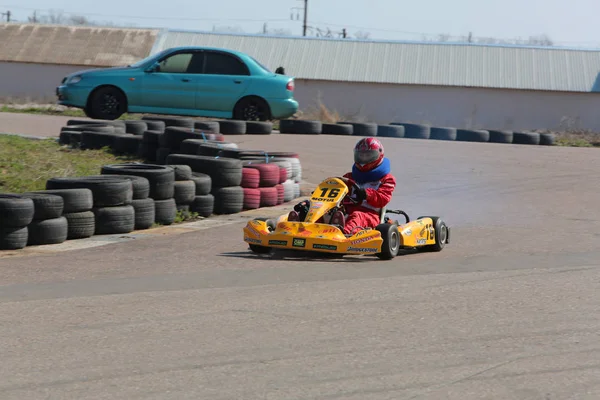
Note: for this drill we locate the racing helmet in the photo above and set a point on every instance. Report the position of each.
(368, 154)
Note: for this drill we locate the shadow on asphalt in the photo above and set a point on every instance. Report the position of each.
(289, 255)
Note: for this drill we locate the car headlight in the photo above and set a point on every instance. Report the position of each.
(75, 79)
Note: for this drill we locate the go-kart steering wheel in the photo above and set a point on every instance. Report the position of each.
(354, 186)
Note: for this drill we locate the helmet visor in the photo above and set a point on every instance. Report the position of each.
(366, 156)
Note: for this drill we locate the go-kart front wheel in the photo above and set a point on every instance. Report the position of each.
(391, 241)
(255, 248)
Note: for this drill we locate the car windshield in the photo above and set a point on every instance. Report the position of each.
(261, 65)
(145, 60)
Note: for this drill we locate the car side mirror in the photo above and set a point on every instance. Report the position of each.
(153, 68)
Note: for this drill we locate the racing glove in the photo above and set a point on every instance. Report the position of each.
(359, 194)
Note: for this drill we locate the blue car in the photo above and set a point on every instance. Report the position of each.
(190, 81)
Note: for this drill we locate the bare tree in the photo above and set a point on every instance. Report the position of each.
(362, 35)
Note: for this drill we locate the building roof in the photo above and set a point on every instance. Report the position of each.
(74, 45)
(416, 63)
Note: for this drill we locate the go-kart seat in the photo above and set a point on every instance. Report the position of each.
(382, 215)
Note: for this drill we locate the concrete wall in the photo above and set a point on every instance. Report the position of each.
(454, 107)
(23, 82)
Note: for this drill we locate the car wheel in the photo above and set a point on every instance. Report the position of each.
(251, 109)
(391, 241)
(107, 103)
(271, 224)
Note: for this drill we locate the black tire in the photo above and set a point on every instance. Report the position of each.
(157, 126)
(107, 191)
(185, 191)
(136, 127)
(128, 144)
(207, 126)
(98, 140)
(95, 127)
(547, 139)
(182, 172)
(161, 155)
(259, 127)
(152, 137)
(203, 183)
(145, 213)
(203, 205)
(174, 136)
(472, 135)
(228, 200)
(391, 241)
(501, 136)
(251, 109)
(113, 220)
(81, 225)
(118, 125)
(147, 152)
(69, 138)
(395, 131)
(233, 127)
(166, 211)
(13, 238)
(107, 102)
(161, 178)
(526, 138)
(16, 211)
(139, 184)
(258, 249)
(300, 126)
(184, 208)
(48, 231)
(222, 171)
(75, 200)
(443, 133)
(171, 121)
(415, 131)
(46, 206)
(362, 128)
(441, 235)
(337, 129)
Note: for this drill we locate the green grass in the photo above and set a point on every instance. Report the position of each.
(26, 164)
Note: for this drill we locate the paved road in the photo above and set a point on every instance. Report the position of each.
(509, 310)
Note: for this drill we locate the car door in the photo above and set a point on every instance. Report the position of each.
(173, 84)
(224, 79)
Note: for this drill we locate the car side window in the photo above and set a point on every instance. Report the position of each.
(224, 64)
(175, 64)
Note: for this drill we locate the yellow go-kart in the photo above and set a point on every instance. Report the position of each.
(385, 241)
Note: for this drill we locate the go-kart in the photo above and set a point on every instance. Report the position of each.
(312, 233)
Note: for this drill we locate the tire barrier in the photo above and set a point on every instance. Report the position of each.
(200, 173)
(414, 131)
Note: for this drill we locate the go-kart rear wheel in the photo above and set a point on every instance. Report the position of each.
(255, 248)
(391, 241)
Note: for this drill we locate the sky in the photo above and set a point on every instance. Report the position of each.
(570, 23)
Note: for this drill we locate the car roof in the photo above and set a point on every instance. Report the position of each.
(178, 48)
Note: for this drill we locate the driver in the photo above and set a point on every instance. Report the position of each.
(375, 184)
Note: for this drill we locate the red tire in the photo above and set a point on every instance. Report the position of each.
(282, 174)
(219, 137)
(268, 196)
(251, 198)
(250, 178)
(280, 193)
(284, 154)
(269, 173)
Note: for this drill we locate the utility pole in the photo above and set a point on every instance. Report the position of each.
(7, 15)
(304, 26)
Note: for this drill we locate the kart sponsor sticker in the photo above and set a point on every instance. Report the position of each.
(253, 230)
(278, 242)
(299, 242)
(421, 241)
(322, 199)
(316, 205)
(331, 183)
(324, 246)
(408, 232)
(363, 249)
(250, 240)
(361, 240)
(331, 230)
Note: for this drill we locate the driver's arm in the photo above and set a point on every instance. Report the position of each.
(381, 196)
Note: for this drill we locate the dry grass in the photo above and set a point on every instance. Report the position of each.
(27, 164)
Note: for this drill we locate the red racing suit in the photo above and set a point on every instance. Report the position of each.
(366, 214)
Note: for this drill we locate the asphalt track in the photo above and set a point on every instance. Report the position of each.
(509, 310)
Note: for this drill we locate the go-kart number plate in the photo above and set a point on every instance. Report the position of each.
(326, 194)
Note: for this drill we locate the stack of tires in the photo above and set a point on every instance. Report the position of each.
(112, 199)
(261, 183)
(77, 210)
(16, 213)
(161, 187)
(204, 201)
(184, 191)
(48, 226)
(170, 142)
(226, 178)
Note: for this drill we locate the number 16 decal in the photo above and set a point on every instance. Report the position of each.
(333, 192)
